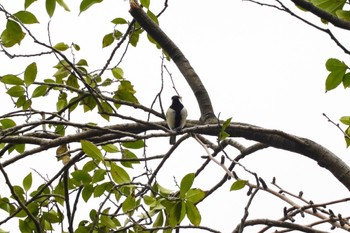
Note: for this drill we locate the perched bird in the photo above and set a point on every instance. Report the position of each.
(176, 116)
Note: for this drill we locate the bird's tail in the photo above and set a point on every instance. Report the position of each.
(172, 139)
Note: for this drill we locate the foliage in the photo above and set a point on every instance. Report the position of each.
(110, 165)
(42, 207)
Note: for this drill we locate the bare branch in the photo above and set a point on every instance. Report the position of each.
(275, 223)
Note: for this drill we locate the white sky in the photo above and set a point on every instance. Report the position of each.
(259, 65)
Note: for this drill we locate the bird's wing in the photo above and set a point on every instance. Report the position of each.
(183, 117)
(170, 118)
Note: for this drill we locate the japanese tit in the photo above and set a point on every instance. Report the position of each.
(176, 116)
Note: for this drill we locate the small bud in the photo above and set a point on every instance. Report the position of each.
(263, 183)
(249, 191)
(222, 159)
(273, 180)
(301, 194)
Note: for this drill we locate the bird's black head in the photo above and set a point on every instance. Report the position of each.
(176, 97)
(176, 102)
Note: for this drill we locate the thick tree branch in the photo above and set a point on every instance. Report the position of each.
(272, 138)
(281, 140)
(207, 112)
(323, 14)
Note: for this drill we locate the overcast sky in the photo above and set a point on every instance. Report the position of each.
(260, 66)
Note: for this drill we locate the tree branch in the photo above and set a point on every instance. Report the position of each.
(323, 14)
(275, 223)
(273, 138)
(207, 112)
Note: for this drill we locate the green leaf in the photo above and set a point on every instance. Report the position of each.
(87, 192)
(11, 80)
(12, 35)
(7, 123)
(27, 182)
(16, 91)
(72, 81)
(333, 64)
(107, 40)
(62, 101)
(19, 191)
(50, 7)
(177, 213)
(61, 46)
(134, 38)
(26, 17)
(76, 47)
(186, 183)
(345, 120)
(82, 62)
(126, 92)
(159, 220)
(150, 201)
(86, 4)
(90, 165)
(329, 5)
(126, 154)
(118, 73)
(89, 103)
(195, 195)
(145, 3)
(119, 21)
(63, 5)
(237, 185)
(344, 15)
(27, 104)
(105, 110)
(334, 79)
(27, 3)
(21, 101)
(193, 214)
(134, 145)
(223, 134)
(39, 91)
(129, 204)
(81, 177)
(100, 189)
(91, 150)
(117, 34)
(110, 148)
(119, 175)
(99, 175)
(337, 69)
(107, 82)
(30, 74)
(107, 221)
(347, 141)
(20, 148)
(162, 190)
(346, 80)
(153, 17)
(60, 130)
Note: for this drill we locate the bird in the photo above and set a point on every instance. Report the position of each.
(176, 116)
